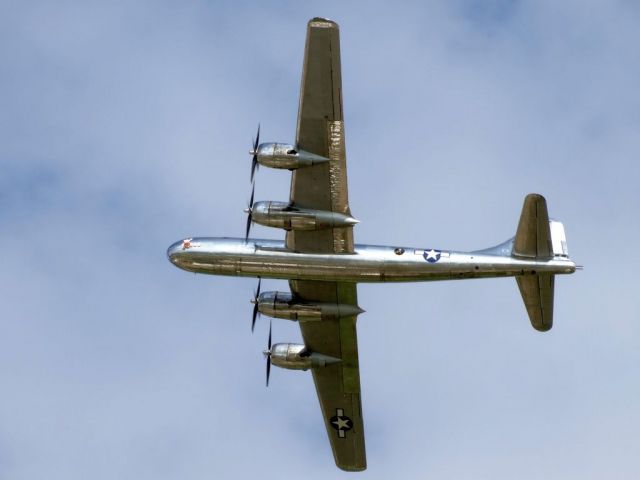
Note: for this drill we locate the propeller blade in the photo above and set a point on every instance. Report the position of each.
(254, 166)
(269, 356)
(249, 213)
(268, 369)
(254, 161)
(246, 234)
(255, 314)
(256, 294)
(257, 140)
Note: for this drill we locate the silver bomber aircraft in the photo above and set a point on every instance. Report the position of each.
(323, 265)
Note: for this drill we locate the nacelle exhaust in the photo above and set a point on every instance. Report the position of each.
(283, 215)
(283, 305)
(285, 156)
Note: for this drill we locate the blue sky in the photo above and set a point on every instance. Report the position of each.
(124, 127)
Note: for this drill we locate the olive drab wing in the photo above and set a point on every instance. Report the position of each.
(324, 187)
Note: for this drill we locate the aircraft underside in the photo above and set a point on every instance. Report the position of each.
(271, 259)
(323, 264)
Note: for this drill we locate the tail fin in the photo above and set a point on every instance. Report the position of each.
(540, 239)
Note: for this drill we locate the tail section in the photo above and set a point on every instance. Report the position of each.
(537, 293)
(537, 238)
(533, 237)
(558, 239)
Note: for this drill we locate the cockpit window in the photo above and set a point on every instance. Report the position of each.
(399, 251)
(292, 152)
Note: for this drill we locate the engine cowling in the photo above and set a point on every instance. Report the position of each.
(284, 215)
(283, 305)
(286, 156)
(294, 356)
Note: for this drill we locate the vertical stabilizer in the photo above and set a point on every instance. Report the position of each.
(558, 239)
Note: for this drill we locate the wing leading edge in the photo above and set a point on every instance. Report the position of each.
(324, 187)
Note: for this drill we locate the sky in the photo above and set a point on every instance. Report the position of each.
(124, 126)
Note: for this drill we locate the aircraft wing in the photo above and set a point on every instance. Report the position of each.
(337, 385)
(324, 187)
(321, 131)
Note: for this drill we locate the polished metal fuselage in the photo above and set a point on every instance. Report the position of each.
(369, 263)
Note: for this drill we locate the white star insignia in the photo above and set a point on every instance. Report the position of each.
(341, 423)
(432, 254)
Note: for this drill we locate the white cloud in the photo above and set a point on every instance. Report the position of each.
(126, 127)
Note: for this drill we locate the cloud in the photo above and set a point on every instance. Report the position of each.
(125, 127)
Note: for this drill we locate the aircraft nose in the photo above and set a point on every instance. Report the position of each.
(174, 251)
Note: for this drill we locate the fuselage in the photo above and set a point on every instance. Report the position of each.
(368, 263)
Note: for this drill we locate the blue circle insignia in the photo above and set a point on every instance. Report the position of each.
(432, 256)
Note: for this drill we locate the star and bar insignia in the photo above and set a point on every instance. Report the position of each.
(341, 423)
(432, 256)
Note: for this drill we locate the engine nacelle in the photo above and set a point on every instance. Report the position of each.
(283, 305)
(295, 357)
(284, 215)
(283, 155)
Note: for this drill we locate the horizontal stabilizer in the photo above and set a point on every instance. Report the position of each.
(533, 241)
(537, 293)
(533, 237)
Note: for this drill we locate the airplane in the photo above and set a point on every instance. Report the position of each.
(323, 265)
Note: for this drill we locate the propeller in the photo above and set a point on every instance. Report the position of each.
(267, 353)
(254, 152)
(249, 212)
(256, 294)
